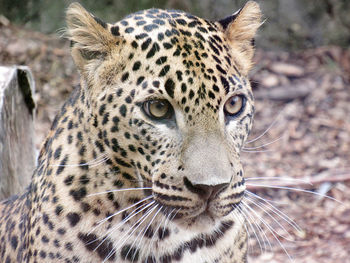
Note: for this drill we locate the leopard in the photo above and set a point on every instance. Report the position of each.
(142, 162)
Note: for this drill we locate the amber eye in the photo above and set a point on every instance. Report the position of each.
(234, 105)
(158, 109)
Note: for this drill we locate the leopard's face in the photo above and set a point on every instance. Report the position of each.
(169, 97)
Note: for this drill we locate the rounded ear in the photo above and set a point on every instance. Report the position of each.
(240, 29)
(90, 36)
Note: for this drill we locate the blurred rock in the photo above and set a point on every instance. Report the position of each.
(287, 69)
(270, 80)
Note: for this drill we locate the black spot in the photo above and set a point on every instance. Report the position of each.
(58, 210)
(78, 194)
(115, 30)
(93, 243)
(73, 218)
(139, 80)
(170, 87)
(42, 254)
(123, 110)
(118, 183)
(150, 27)
(125, 76)
(57, 153)
(134, 44)
(156, 83)
(141, 23)
(211, 95)
(155, 48)
(127, 176)
(160, 36)
(130, 253)
(183, 87)
(191, 94)
(80, 136)
(45, 239)
(164, 71)
(61, 231)
(62, 165)
(161, 60)
(69, 180)
(132, 148)
(69, 246)
(85, 207)
(145, 44)
(124, 23)
(136, 66)
(219, 68)
(82, 150)
(105, 118)
(225, 84)
(129, 30)
(150, 259)
(14, 242)
(141, 36)
(96, 211)
(70, 125)
(216, 88)
(181, 21)
(167, 45)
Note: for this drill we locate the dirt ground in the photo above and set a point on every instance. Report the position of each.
(302, 126)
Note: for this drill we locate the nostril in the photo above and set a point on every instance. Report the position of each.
(218, 188)
(204, 191)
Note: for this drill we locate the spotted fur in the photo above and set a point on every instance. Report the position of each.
(113, 184)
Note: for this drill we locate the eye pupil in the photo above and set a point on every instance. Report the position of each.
(157, 109)
(234, 105)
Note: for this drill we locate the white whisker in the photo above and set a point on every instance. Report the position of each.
(109, 232)
(120, 190)
(164, 220)
(92, 163)
(295, 189)
(127, 235)
(269, 228)
(144, 232)
(256, 151)
(245, 226)
(268, 128)
(252, 228)
(264, 145)
(281, 214)
(278, 179)
(119, 212)
(257, 224)
(289, 238)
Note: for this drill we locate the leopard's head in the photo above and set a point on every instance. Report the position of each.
(170, 103)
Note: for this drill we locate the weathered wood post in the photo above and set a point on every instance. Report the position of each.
(17, 154)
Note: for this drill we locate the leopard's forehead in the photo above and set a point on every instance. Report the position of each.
(154, 21)
(190, 55)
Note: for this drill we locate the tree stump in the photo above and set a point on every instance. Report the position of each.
(17, 153)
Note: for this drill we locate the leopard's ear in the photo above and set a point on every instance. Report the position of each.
(240, 29)
(90, 36)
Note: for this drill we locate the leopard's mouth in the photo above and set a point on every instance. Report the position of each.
(204, 212)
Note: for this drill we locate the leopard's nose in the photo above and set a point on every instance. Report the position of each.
(204, 191)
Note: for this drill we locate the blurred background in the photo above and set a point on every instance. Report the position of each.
(290, 24)
(302, 122)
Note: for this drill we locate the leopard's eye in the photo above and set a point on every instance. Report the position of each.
(158, 109)
(234, 105)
